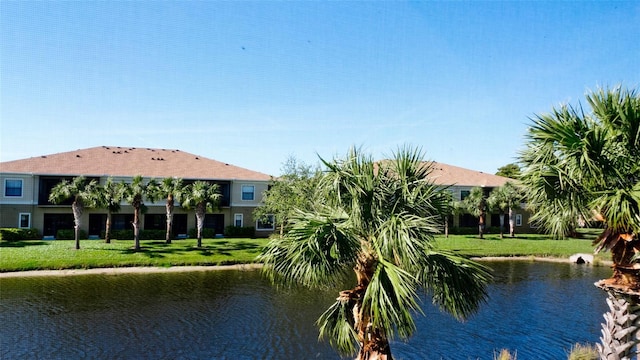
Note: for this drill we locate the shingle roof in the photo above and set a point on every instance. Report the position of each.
(443, 174)
(129, 162)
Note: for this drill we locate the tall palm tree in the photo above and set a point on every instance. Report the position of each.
(83, 194)
(201, 196)
(171, 189)
(476, 205)
(109, 197)
(135, 194)
(505, 199)
(376, 221)
(587, 165)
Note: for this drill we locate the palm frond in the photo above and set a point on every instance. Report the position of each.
(390, 300)
(457, 284)
(317, 251)
(336, 325)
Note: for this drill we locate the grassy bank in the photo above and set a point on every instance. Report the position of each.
(522, 245)
(59, 254)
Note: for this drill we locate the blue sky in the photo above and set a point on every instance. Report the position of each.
(252, 83)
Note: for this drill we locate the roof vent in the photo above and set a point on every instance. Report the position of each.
(44, 157)
(197, 158)
(153, 158)
(77, 155)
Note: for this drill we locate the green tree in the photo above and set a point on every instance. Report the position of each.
(172, 190)
(83, 194)
(135, 194)
(109, 196)
(476, 205)
(586, 164)
(294, 189)
(510, 170)
(377, 220)
(505, 199)
(201, 196)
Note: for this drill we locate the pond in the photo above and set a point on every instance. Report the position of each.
(539, 310)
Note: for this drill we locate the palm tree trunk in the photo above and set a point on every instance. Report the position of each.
(502, 224)
(136, 227)
(481, 226)
(374, 345)
(619, 340)
(512, 223)
(77, 214)
(446, 226)
(107, 229)
(200, 211)
(169, 209)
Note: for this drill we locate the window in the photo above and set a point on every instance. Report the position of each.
(518, 219)
(25, 220)
(13, 187)
(464, 194)
(248, 192)
(265, 223)
(237, 220)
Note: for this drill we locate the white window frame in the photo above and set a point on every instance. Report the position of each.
(273, 224)
(518, 219)
(28, 215)
(236, 218)
(21, 188)
(242, 192)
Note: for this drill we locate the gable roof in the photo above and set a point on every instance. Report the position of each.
(129, 162)
(443, 174)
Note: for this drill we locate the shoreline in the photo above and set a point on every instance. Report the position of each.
(243, 267)
(127, 270)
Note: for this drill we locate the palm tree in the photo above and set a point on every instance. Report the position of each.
(202, 196)
(109, 196)
(377, 220)
(476, 205)
(83, 194)
(135, 194)
(506, 198)
(171, 189)
(587, 165)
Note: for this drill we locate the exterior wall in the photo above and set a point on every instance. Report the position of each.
(12, 206)
(10, 214)
(29, 189)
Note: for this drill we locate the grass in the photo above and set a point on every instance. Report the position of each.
(60, 254)
(522, 245)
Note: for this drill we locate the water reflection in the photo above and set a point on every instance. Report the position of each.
(540, 310)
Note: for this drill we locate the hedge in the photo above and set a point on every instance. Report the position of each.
(240, 232)
(15, 234)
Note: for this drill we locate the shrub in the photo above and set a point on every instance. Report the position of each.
(152, 234)
(123, 234)
(15, 234)
(68, 234)
(207, 233)
(583, 352)
(239, 231)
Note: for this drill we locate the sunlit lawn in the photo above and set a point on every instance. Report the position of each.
(521, 245)
(60, 254)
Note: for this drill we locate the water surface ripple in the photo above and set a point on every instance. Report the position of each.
(537, 309)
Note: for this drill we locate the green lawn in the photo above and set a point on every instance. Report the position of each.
(60, 254)
(522, 245)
